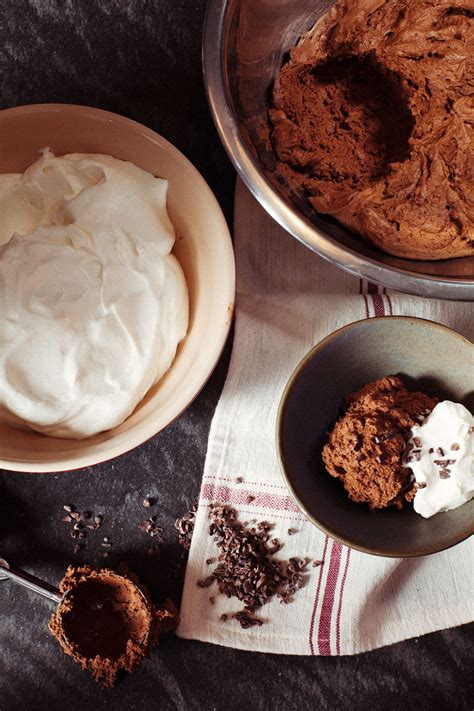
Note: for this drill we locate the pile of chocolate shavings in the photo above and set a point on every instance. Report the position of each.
(246, 568)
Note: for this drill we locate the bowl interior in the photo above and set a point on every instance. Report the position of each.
(203, 247)
(429, 357)
(257, 35)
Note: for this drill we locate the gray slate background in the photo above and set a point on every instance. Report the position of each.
(141, 58)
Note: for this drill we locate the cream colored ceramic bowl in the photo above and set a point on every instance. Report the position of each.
(203, 247)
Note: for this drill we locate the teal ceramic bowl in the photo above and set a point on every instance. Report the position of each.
(428, 357)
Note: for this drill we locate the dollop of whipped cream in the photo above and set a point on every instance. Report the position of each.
(92, 303)
(442, 459)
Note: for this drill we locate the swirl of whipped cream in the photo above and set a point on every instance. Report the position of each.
(92, 303)
(441, 459)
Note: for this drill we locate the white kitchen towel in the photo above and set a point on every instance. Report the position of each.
(287, 300)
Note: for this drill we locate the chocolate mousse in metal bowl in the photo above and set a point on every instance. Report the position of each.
(351, 123)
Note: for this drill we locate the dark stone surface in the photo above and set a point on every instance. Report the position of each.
(141, 58)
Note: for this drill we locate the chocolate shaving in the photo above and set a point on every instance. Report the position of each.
(406, 454)
(385, 436)
(185, 527)
(150, 526)
(246, 619)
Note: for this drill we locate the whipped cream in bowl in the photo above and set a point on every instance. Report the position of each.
(93, 301)
(441, 456)
(116, 286)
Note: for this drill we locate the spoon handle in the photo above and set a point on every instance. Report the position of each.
(30, 581)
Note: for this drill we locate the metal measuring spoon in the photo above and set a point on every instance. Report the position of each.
(45, 589)
(29, 581)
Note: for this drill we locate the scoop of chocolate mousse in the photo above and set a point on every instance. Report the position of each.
(107, 622)
(372, 123)
(366, 447)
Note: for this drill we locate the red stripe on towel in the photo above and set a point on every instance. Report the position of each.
(324, 631)
(379, 307)
(259, 499)
(316, 599)
(236, 480)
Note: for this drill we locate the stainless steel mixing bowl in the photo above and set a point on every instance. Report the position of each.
(244, 44)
